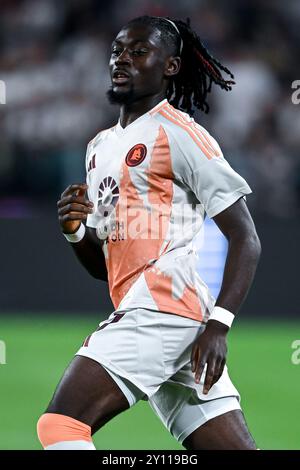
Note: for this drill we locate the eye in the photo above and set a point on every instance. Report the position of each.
(139, 52)
(116, 52)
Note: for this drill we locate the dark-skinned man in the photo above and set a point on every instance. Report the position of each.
(150, 181)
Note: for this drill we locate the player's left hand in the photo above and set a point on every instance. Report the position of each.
(210, 348)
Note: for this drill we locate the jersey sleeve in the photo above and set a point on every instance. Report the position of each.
(92, 219)
(198, 163)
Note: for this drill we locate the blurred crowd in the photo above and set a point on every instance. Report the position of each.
(53, 60)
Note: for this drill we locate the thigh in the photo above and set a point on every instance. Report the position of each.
(227, 431)
(87, 393)
(201, 424)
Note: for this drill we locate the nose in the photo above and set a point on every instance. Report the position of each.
(123, 58)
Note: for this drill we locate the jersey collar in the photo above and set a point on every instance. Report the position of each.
(121, 130)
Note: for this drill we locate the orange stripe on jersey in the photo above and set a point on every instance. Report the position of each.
(170, 113)
(160, 192)
(130, 257)
(202, 134)
(214, 149)
(165, 248)
(160, 286)
(124, 266)
(157, 108)
(189, 130)
(160, 175)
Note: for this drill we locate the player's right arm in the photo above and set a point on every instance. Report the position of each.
(73, 209)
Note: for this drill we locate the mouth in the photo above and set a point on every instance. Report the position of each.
(120, 77)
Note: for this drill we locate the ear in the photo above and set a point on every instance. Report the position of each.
(172, 66)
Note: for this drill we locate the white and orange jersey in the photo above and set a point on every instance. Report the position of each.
(151, 184)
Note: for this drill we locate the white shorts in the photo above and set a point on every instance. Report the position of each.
(148, 353)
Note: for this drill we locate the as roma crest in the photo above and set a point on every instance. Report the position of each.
(136, 155)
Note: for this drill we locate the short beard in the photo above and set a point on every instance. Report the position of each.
(126, 97)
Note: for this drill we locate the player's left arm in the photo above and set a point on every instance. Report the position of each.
(198, 162)
(244, 249)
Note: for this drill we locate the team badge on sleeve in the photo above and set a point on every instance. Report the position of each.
(136, 155)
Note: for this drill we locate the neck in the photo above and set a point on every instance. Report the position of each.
(130, 112)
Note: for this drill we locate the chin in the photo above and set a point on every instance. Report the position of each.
(120, 95)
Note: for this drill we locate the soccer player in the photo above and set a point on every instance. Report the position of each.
(150, 181)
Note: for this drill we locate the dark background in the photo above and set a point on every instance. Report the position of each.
(40, 273)
(53, 60)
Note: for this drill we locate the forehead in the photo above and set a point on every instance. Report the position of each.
(139, 33)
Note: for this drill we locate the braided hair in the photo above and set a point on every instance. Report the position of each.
(199, 69)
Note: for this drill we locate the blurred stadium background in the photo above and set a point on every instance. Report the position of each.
(53, 61)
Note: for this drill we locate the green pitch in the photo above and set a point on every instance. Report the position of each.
(39, 348)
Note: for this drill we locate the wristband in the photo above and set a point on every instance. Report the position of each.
(77, 236)
(222, 315)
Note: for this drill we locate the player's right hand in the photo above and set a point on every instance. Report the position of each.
(73, 207)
